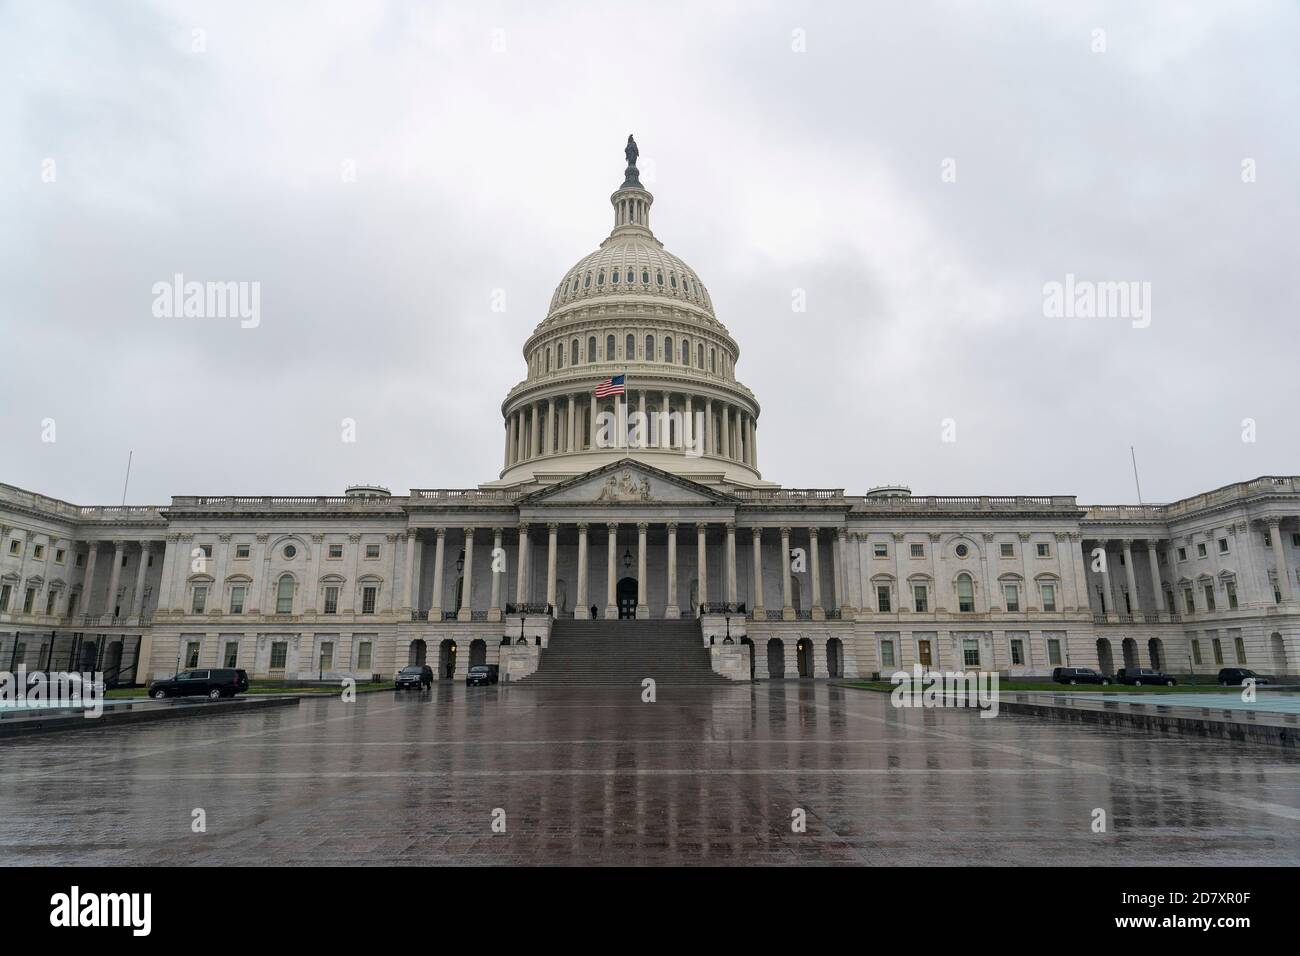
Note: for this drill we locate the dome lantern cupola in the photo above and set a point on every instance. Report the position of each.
(631, 201)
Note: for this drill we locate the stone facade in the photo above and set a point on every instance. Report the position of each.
(648, 504)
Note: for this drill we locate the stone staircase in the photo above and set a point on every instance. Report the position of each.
(625, 653)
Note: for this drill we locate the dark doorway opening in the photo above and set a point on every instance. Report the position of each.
(477, 652)
(418, 652)
(750, 644)
(626, 594)
(447, 659)
(805, 654)
(775, 658)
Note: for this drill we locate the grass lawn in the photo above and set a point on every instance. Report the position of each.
(1179, 688)
(256, 688)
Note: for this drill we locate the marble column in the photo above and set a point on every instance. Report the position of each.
(665, 428)
(88, 582)
(581, 610)
(595, 413)
(611, 571)
(1129, 576)
(548, 444)
(688, 425)
(466, 610)
(435, 611)
(1153, 560)
(787, 599)
(815, 570)
(837, 572)
(642, 609)
(1108, 597)
(137, 599)
(114, 576)
(725, 414)
(552, 553)
(1279, 555)
(708, 426)
(701, 565)
(732, 596)
(408, 575)
(643, 429)
(536, 448)
(759, 611)
(498, 569)
(672, 610)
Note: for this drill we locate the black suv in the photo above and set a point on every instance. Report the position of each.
(213, 683)
(417, 675)
(1078, 675)
(1234, 676)
(483, 674)
(1138, 676)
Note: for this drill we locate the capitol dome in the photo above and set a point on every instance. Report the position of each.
(631, 309)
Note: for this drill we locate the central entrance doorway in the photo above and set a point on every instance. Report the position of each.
(626, 594)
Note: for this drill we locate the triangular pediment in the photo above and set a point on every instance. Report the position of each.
(627, 482)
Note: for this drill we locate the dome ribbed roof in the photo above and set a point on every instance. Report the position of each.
(632, 265)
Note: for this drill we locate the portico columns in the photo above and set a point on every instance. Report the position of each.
(611, 557)
(787, 603)
(466, 610)
(643, 429)
(571, 414)
(688, 426)
(1133, 603)
(725, 414)
(665, 426)
(408, 570)
(521, 567)
(672, 610)
(731, 562)
(552, 550)
(549, 444)
(708, 426)
(536, 430)
(137, 601)
(435, 612)
(580, 608)
(702, 571)
(1154, 561)
(814, 566)
(642, 610)
(759, 611)
(498, 566)
(839, 571)
(113, 578)
(594, 412)
(88, 582)
(1108, 599)
(1279, 555)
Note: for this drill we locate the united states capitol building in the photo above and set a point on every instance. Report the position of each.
(647, 505)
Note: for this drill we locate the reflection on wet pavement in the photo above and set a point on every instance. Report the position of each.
(595, 776)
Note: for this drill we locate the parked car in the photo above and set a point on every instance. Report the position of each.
(1078, 675)
(1234, 676)
(417, 675)
(1138, 676)
(213, 683)
(483, 674)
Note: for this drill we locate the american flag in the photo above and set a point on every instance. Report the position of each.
(611, 386)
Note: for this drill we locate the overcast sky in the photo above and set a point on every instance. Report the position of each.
(789, 146)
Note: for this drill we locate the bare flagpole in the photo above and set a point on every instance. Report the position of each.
(1135, 473)
(128, 475)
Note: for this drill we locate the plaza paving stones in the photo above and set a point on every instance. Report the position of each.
(594, 776)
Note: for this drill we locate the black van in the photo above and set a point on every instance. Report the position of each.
(212, 683)
(483, 674)
(1236, 676)
(1078, 675)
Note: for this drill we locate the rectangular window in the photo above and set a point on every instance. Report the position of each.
(336, 550)
(1200, 549)
(1169, 601)
(72, 603)
(1223, 546)
(81, 560)
(327, 656)
(205, 548)
(192, 654)
(237, 599)
(15, 546)
(279, 654)
(880, 550)
(1189, 600)
(363, 656)
(921, 597)
(231, 657)
(29, 599)
(38, 552)
(1049, 597)
(1209, 597)
(1044, 549)
(368, 600)
(1008, 549)
(372, 551)
(200, 600)
(970, 652)
(918, 551)
(49, 601)
(1017, 652)
(1295, 539)
(1053, 652)
(1240, 647)
(59, 556)
(1218, 650)
(1011, 593)
(5, 591)
(882, 598)
(1196, 651)
(1182, 554)
(1231, 588)
(886, 653)
(331, 600)
(20, 657)
(241, 550)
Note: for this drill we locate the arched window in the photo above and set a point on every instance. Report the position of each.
(559, 356)
(630, 276)
(630, 354)
(600, 277)
(659, 278)
(284, 595)
(591, 349)
(609, 348)
(615, 276)
(965, 593)
(700, 356)
(645, 276)
(573, 352)
(672, 280)
(586, 283)
(713, 360)
(575, 284)
(686, 351)
(649, 348)
(668, 348)
(548, 359)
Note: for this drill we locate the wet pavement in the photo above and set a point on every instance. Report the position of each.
(595, 776)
